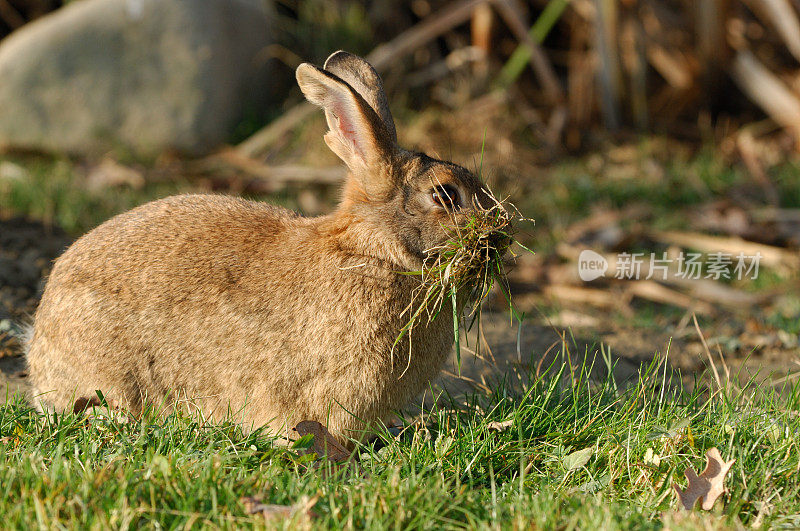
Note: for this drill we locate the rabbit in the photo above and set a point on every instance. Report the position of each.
(240, 308)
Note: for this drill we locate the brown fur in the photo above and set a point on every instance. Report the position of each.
(249, 309)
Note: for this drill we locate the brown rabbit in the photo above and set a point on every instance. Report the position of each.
(251, 310)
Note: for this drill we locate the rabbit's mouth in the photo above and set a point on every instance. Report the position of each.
(473, 249)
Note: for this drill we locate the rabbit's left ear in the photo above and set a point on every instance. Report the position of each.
(357, 134)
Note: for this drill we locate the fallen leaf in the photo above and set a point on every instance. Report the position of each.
(577, 459)
(324, 443)
(592, 486)
(100, 409)
(500, 426)
(253, 505)
(706, 487)
(85, 402)
(442, 445)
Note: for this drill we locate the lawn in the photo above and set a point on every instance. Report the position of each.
(557, 450)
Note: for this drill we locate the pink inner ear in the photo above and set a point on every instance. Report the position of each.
(347, 128)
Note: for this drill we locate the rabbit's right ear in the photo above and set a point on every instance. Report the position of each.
(357, 134)
(360, 75)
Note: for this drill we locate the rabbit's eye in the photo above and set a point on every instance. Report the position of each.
(446, 196)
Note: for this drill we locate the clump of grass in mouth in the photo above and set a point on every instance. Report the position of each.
(464, 269)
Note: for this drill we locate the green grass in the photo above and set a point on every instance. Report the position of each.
(55, 191)
(578, 455)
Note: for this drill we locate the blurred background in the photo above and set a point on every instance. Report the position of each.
(620, 126)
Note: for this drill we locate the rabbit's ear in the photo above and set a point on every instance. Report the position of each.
(357, 135)
(360, 75)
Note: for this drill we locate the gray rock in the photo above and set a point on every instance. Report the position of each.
(144, 75)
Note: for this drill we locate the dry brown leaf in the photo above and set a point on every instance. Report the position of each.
(92, 407)
(269, 511)
(85, 402)
(500, 426)
(324, 442)
(708, 486)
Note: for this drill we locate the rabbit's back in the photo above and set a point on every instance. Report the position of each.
(190, 243)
